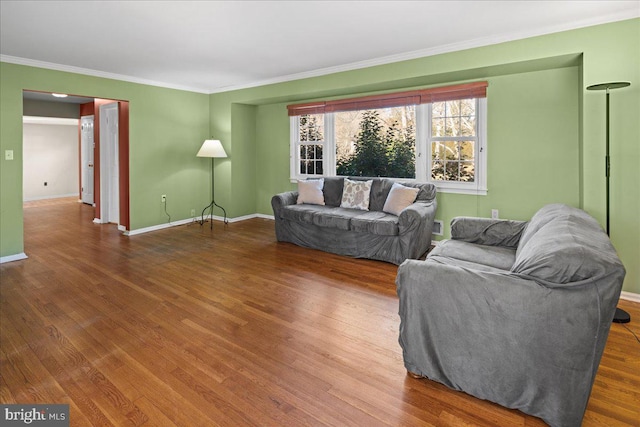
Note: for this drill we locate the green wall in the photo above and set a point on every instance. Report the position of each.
(167, 128)
(538, 110)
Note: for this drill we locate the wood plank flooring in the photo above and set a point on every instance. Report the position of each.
(192, 327)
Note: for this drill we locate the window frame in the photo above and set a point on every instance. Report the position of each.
(328, 149)
(424, 138)
(479, 185)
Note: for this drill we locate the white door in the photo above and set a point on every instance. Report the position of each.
(86, 158)
(109, 168)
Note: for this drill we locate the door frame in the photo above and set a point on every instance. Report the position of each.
(86, 160)
(109, 164)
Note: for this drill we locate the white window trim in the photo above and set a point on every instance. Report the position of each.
(328, 149)
(479, 186)
(423, 151)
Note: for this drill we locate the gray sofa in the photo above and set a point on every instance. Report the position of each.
(371, 234)
(514, 312)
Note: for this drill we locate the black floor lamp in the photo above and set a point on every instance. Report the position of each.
(620, 316)
(212, 148)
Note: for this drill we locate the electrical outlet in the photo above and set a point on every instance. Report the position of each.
(193, 212)
(494, 213)
(164, 198)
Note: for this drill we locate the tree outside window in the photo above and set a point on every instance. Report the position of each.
(376, 143)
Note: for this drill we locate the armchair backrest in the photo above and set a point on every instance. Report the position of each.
(565, 246)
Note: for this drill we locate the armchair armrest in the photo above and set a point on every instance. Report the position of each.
(498, 337)
(487, 231)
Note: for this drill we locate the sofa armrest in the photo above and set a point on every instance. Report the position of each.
(417, 214)
(487, 231)
(415, 226)
(283, 199)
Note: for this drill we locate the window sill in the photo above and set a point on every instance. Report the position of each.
(457, 189)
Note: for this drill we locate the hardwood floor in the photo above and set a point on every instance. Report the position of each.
(192, 327)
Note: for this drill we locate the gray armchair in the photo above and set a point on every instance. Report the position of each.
(514, 312)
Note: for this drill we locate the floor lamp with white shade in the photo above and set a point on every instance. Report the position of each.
(620, 316)
(212, 148)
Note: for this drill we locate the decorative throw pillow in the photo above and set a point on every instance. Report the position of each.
(310, 192)
(399, 197)
(355, 194)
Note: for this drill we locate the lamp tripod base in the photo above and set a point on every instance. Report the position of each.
(621, 316)
(210, 207)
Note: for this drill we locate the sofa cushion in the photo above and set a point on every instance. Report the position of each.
(570, 247)
(355, 194)
(301, 213)
(333, 190)
(379, 191)
(310, 192)
(339, 218)
(399, 198)
(499, 257)
(378, 223)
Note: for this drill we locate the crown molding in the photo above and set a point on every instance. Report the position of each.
(423, 53)
(95, 73)
(453, 47)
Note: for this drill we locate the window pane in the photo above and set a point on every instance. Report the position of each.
(468, 107)
(451, 170)
(437, 150)
(303, 167)
(467, 126)
(451, 150)
(437, 171)
(437, 109)
(437, 127)
(454, 118)
(466, 150)
(453, 126)
(377, 142)
(311, 127)
(453, 161)
(467, 172)
(452, 108)
(319, 170)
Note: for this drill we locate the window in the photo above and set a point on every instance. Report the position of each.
(309, 144)
(432, 135)
(378, 142)
(456, 145)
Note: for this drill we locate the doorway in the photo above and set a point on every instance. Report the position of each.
(86, 159)
(109, 164)
(116, 191)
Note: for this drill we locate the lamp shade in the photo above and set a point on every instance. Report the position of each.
(211, 148)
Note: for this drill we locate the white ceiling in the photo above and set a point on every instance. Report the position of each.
(212, 46)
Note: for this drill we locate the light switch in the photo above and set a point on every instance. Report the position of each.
(8, 154)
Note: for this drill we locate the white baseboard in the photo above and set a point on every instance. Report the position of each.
(196, 219)
(57, 196)
(630, 296)
(160, 226)
(10, 258)
(263, 216)
(236, 219)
